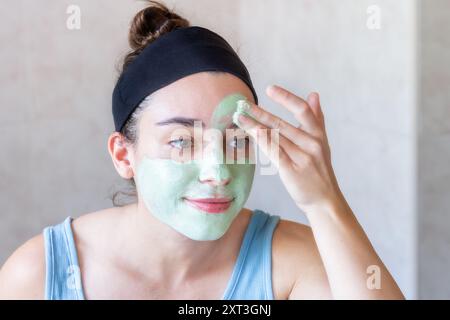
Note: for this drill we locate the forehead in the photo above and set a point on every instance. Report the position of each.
(206, 96)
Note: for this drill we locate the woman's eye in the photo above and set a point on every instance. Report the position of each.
(240, 143)
(182, 143)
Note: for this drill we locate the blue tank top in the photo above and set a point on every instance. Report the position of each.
(251, 278)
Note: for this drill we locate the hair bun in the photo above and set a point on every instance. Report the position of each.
(151, 23)
(148, 25)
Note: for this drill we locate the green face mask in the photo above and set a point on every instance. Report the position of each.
(164, 185)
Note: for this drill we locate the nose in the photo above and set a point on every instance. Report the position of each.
(215, 174)
(213, 170)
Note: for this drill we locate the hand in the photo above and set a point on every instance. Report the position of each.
(303, 159)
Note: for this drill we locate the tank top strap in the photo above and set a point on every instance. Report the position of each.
(63, 278)
(251, 278)
(252, 274)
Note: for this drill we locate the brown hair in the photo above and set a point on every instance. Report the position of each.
(147, 25)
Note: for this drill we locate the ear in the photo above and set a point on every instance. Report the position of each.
(121, 155)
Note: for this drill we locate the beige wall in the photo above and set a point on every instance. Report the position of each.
(434, 151)
(55, 98)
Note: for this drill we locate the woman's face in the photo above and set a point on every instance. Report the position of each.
(185, 154)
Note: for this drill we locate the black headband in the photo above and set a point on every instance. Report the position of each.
(174, 55)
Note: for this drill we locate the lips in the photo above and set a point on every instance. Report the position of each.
(210, 205)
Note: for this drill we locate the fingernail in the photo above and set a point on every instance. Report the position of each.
(271, 87)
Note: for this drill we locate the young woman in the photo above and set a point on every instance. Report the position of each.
(188, 235)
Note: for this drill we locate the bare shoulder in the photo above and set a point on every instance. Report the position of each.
(294, 248)
(293, 233)
(297, 266)
(23, 274)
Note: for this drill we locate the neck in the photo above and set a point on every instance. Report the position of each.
(152, 245)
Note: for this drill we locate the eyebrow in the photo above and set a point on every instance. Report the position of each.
(187, 122)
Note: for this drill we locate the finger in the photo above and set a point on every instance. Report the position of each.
(298, 156)
(295, 135)
(277, 148)
(271, 145)
(272, 121)
(314, 102)
(299, 107)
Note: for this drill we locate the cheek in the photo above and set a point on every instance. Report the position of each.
(243, 175)
(162, 180)
(157, 177)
